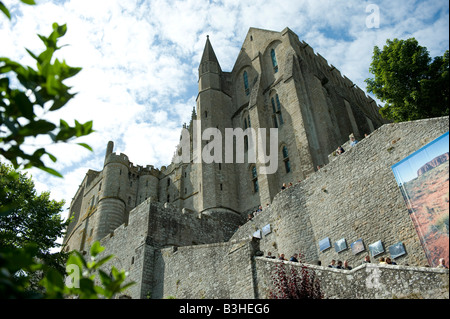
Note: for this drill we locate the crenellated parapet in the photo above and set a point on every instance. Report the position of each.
(118, 159)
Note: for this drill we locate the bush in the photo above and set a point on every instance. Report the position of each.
(303, 285)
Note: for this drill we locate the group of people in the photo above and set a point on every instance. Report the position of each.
(388, 261)
(293, 258)
(344, 265)
(340, 265)
(286, 186)
(381, 260)
(353, 141)
(256, 212)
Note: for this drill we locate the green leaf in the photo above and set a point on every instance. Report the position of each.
(50, 171)
(37, 127)
(103, 261)
(52, 157)
(86, 146)
(104, 277)
(59, 29)
(30, 2)
(96, 248)
(24, 105)
(54, 281)
(87, 289)
(5, 10)
(74, 260)
(32, 55)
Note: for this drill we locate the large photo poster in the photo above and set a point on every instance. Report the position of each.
(423, 178)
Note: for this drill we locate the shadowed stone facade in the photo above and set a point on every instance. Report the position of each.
(181, 230)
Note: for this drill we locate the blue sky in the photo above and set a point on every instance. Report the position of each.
(140, 60)
(406, 169)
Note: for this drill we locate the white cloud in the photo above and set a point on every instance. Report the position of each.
(140, 60)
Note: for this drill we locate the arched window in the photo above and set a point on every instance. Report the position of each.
(247, 89)
(274, 61)
(277, 117)
(287, 164)
(255, 179)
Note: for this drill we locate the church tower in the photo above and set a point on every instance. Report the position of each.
(214, 112)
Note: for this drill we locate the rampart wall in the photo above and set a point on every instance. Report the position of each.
(368, 281)
(221, 271)
(231, 271)
(354, 197)
(139, 245)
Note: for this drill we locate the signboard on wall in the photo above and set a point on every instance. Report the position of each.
(423, 179)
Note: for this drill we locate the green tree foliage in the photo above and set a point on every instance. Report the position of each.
(412, 85)
(30, 223)
(17, 265)
(31, 217)
(28, 218)
(42, 88)
(29, 226)
(81, 278)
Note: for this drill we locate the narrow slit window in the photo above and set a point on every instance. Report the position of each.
(280, 116)
(277, 117)
(274, 61)
(255, 179)
(247, 89)
(274, 114)
(287, 164)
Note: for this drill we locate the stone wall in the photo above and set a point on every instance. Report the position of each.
(231, 271)
(355, 196)
(138, 246)
(368, 281)
(218, 271)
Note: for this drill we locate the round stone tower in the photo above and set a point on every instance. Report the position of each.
(112, 200)
(148, 185)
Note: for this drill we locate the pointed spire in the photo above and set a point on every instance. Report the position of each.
(208, 53)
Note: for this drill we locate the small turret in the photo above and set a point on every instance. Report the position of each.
(111, 211)
(109, 149)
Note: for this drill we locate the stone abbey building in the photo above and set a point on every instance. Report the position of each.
(154, 220)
